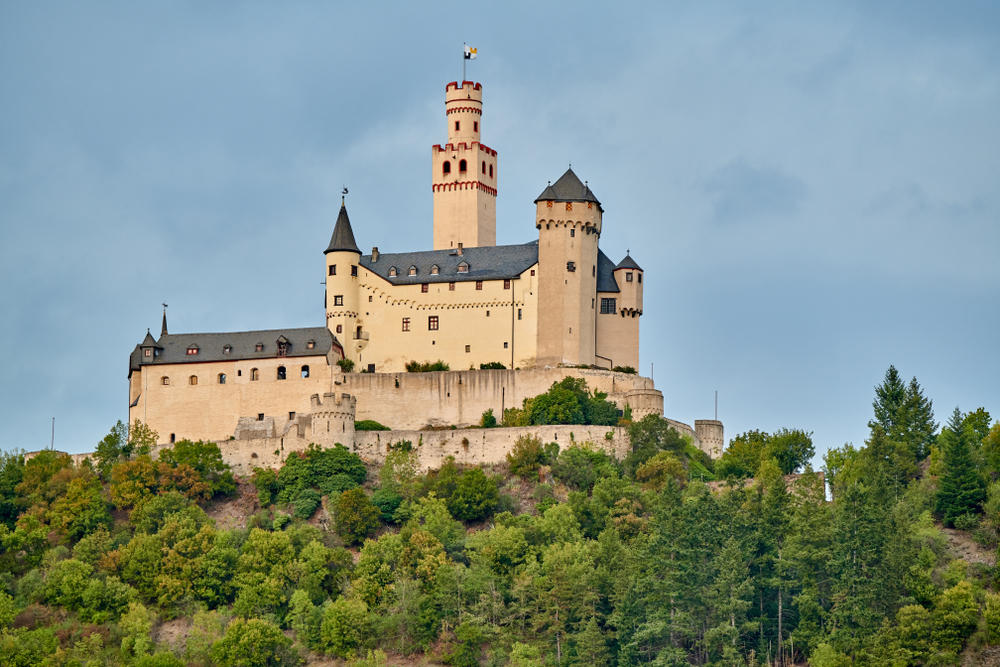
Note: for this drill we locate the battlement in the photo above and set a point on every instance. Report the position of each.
(462, 145)
(465, 84)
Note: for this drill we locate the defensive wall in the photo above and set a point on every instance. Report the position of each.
(411, 401)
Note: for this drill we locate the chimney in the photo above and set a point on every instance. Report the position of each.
(460, 248)
(374, 254)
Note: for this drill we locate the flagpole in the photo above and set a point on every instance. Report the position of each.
(464, 47)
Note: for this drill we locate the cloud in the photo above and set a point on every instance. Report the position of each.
(742, 192)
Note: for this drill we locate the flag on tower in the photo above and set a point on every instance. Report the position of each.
(470, 52)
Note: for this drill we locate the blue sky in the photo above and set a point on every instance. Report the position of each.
(814, 191)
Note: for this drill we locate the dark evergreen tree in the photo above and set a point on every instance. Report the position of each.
(961, 489)
(889, 398)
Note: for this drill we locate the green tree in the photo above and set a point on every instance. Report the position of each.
(355, 515)
(112, 448)
(81, 509)
(204, 458)
(647, 437)
(961, 489)
(253, 642)
(345, 628)
(475, 497)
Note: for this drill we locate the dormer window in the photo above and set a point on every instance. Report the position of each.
(259, 347)
(392, 272)
(192, 350)
(434, 270)
(226, 349)
(463, 267)
(412, 271)
(283, 346)
(148, 352)
(310, 344)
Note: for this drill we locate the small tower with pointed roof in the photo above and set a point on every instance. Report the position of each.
(465, 174)
(568, 217)
(342, 301)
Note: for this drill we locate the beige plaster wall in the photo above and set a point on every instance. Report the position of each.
(460, 398)
(209, 410)
(486, 320)
(617, 335)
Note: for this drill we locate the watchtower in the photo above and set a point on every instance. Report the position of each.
(464, 174)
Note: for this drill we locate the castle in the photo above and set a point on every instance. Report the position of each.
(534, 312)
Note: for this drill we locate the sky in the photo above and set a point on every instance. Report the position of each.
(813, 189)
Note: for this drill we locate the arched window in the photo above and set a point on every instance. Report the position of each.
(222, 378)
(413, 270)
(281, 372)
(226, 349)
(446, 167)
(491, 171)
(463, 267)
(164, 380)
(193, 380)
(462, 166)
(340, 328)
(434, 269)
(305, 372)
(392, 271)
(484, 166)
(254, 374)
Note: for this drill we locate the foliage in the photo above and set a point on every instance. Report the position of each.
(566, 402)
(387, 501)
(345, 627)
(355, 515)
(112, 448)
(492, 365)
(370, 425)
(253, 642)
(624, 369)
(346, 365)
(526, 456)
(961, 489)
(650, 435)
(426, 366)
(328, 470)
(306, 503)
(579, 467)
(488, 420)
(791, 449)
(475, 497)
(205, 459)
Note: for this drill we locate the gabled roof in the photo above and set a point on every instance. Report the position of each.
(606, 274)
(484, 263)
(343, 235)
(148, 341)
(628, 263)
(569, 187)
(241, 344)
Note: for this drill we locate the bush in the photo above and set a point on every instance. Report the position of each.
(315, 467)
(370, 425)
(526, 456)
(266, 481)
(345, 627)
(387, 501)
(426, 366)
(252, 642)
(356, 516)
(488, 420)
(338, 483)
(205, 458)
(580, 468)
(475, 497)
(493, 365)
(346, 365)
(624, 369)
(306, 503)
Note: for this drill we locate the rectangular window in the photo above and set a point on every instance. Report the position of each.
(571, 266)
(457, 126)
(628, 277)
(640, 277)
(451, 287)
(505, 345)
(338, 300)
(532, 272)
(354, 270)
(291, 416)
(432, 322)
(518, 313)
(475, 126)
(192, 350)
(424, 287)
(607, 306)
(333, 270)
(506, 284)
(572, 232)
(260, 416)
(406, 324)
(147, 352)
(468, 348)
(479, 284)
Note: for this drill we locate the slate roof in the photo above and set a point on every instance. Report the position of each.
(569, 187)
(485, 263)
(343, 235)
(173, 347)
(606, 274)
(628, 263)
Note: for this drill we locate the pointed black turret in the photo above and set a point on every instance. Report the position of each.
(343, 235)
(163, 328)
(569, 187)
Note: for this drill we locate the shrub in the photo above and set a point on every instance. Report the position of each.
(205, 458)
(346, 365)
(355, 515)
(266, 481)
(475, 497)
(493, 365)
(526, 456)
(338, 483)
(488, 420)
(624, 369)
(580, 468)
(315, 467)
(306, 503)
(370, 425)
(345, 626)
(252, 642)
(426, 366)
(387, 501)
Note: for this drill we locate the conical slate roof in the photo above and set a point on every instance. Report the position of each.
(628, 263)
(148, 340)
(343, 235)
(569, 187)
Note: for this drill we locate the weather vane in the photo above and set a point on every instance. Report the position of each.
(343, 194)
